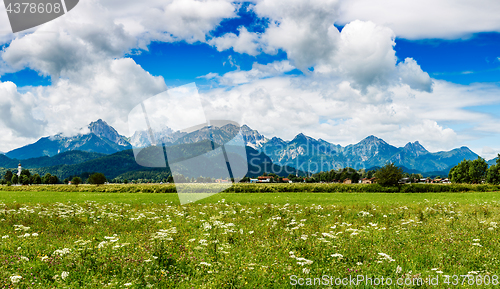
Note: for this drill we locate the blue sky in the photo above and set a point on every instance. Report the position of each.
(461, 61)
(469, 59)
(336, 70)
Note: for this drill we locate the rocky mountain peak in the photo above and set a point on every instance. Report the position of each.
(101, 129)
(415, 147)
(372, 139)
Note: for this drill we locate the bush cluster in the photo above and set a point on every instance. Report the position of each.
(265, 188)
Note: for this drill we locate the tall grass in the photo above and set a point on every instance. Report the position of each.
(264, 188)
(229, 245)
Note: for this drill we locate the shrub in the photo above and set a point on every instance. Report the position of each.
(76, 181)
(97, 179)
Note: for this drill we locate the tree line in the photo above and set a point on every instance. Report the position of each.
(476, 172)
(26, 178)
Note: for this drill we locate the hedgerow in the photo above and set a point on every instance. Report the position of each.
(263, 188)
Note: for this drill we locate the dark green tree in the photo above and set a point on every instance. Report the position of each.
(46, 178)
(24, 180)
(389, 175)
(53, 180)
(37, 179)
(15, 179)
(8, 176)
(493, 173)
(180, 179)
(460, 172)
(26, 172)
(76, 181)
(477, 170)
(97, 179)
(470, 172)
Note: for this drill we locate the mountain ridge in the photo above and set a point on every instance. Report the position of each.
(302, 152)
(102, 138)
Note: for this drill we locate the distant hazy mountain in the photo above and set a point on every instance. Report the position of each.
(123, 164)
(166, 136)
(219, 135)
(302, 152)
(307, 153)
(66, 158)
(102, 138)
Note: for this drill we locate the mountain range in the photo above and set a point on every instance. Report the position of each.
(102, 138)
(302, 152)
(313, 155)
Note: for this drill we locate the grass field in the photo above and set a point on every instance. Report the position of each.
(139, 240)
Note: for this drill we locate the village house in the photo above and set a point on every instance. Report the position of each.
(264, 179)
(368, 181)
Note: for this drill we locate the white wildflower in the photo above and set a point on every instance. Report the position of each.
(21, 227)
(207, 226)
(398, 269)
(15, 278)
(64, 275)
(304, 261)
(384, 256)
(164, 234)
(306, 271)
(62, 252)
(364, 214)
(205, 263)
(337, 255)
(102, 244)
(24, 258)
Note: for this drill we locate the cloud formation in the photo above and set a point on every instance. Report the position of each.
(352, 84)
(425, 19)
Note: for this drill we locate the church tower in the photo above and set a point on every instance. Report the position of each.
(19, 169)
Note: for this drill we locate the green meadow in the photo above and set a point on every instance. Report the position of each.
(85, 239)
